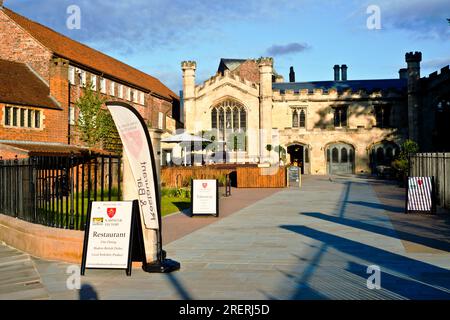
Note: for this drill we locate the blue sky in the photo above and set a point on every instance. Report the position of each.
(156, 35)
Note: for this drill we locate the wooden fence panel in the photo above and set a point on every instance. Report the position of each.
(261, 177)
(246, 176)
(177, 177)
(435, 165)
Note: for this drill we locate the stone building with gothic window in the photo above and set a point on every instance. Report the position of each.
(325, 127)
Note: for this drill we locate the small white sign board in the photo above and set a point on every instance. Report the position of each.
(204, 196)
(109, 234)
(420, 196)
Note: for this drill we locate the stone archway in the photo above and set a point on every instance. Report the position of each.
(299, 155)
(340, 158)
(382, 154)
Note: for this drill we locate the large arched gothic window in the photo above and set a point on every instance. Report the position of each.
(227, 117)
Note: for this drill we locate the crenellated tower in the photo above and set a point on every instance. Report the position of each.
(265, 105)
(413, 60)
(189, 110)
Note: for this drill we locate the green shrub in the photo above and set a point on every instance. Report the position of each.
(176, 192)
(401, 162)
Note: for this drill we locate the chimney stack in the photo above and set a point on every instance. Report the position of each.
(403, 73)
(292, 75)
(336, 72)
(344, 72)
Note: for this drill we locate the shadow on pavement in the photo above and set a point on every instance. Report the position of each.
(379, 206)
(407, 288)
(429, 242)
(435, 279)
(87, 292)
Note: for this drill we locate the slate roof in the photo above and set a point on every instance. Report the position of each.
(49, 149)
(20, 85)
(77, 52)
(230, 64)
(354, 85)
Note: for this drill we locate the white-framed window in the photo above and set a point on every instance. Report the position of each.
(81, 77)
(136, 96)
(128, 94)
(71, 75)
(71, 116)
(142, 98)
(112, 88)
(160, 120)
(94, 82)
(103, 85)
(19, 117)
(120, 91)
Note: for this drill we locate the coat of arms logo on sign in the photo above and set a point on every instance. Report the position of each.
(111, 212)
(111, 228)
(420, 195)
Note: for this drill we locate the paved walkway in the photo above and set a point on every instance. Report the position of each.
(19, 278)
(309, 243)
(178, 225)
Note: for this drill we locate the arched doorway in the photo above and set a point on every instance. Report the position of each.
(382, 154)
(299, 156)
(340, 158)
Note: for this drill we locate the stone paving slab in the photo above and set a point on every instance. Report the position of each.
(310, 243)
(19, 279)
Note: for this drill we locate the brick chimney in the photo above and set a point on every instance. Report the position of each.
(344, 72)
(337, 76)
(403, 73)
(292, 75)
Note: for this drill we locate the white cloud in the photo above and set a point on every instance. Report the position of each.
(424, 19)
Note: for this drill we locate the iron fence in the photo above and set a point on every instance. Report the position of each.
(55, 191)
(435, 165)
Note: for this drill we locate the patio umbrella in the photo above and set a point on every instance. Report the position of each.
(184, 138)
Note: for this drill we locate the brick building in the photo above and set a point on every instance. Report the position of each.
(50, 71)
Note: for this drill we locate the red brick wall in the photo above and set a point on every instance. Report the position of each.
(8, 153)
(248, 70)
(157, 105)
(52, 129)
(18, 45)
(59, 89)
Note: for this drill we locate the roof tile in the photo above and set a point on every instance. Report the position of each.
(84, 55)
(19, 84)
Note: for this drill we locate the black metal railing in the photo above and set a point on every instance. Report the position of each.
(435, 165)
(55, 191)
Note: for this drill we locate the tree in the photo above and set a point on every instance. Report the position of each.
(281, 152)
(401, 162)
(95, 125)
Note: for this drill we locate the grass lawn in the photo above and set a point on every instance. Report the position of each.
(58, 216)
(170, 204)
